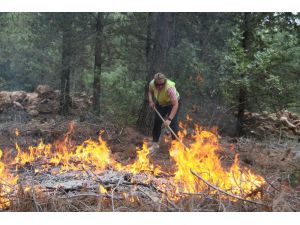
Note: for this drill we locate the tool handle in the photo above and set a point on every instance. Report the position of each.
(170, 129)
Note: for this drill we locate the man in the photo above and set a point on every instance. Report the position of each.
(167, 103)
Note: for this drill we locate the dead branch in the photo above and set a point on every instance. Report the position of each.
(160, 202)
(90, 195)
(225, 192)
(288, 123)
(112, 192)
(33, 196)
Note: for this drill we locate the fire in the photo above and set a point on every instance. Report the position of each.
(7, 182)
(102, 189)
(202, 158)
(90, 154)
(66, 156)
(188, 118)
(142, 164)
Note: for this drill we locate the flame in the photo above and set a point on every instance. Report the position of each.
(188, 118)
(90, 154)
(201, 157)
(142, 164)
(17, 132)
(102, 190)
(7, 182)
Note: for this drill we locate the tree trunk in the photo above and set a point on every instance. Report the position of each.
(148, 39)
(65, 100)
(157, 64)
(98, 62)
(242, 90)
(174, 42)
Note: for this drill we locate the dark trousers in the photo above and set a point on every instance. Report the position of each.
(164, 110)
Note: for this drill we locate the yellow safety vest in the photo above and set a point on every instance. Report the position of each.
(162, 96)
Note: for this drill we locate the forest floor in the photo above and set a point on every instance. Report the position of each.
(277, 160)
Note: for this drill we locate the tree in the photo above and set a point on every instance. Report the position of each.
(157, 64)
(242, 97)
(65, 100)
(98, 62)
(257, 62)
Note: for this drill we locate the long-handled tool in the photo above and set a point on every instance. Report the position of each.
(170, 129)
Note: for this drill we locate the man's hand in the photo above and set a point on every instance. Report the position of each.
(167, 123)
(151, 104)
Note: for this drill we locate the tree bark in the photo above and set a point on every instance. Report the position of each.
(148, 39)
(65, 100)
(98, 62)
(242, 98)
(157, 64)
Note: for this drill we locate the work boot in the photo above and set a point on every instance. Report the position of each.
(153, 148)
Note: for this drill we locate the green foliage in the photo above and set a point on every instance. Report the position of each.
(268, 72)
(191, 74)
(121, 97)
(206, 58)
(23, 63)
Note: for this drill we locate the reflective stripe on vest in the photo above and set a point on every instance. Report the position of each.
(162, 96)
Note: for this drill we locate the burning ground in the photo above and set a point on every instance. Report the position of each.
(48, 163)
(114, 172)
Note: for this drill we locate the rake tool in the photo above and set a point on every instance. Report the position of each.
(170, 129)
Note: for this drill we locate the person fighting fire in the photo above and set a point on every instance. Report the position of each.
(167, 103)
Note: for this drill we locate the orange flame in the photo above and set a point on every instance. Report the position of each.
(142, 164)
(7, 181)
(90, 153)
(201, 157)
(102, 190)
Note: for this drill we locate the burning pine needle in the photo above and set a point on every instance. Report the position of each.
(201, 157)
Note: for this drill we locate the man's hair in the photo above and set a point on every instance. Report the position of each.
(159, 76)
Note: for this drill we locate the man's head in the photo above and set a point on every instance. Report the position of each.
(159, 80)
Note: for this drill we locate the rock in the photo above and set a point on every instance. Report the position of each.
(33, 113)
